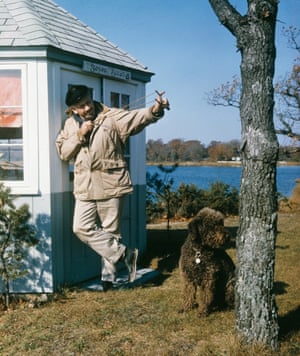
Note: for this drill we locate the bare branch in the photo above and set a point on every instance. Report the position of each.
(227, 15)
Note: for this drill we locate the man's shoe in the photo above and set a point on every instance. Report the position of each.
(107, 285)
(130, 260)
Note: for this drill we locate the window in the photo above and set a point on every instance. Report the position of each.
(118, 100)
(11, 125)
(19, 135)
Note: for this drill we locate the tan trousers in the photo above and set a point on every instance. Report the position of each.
(97, 223)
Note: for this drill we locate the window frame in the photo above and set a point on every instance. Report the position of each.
(121, 97)
(29, 184)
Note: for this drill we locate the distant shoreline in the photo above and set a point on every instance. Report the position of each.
(213, 163)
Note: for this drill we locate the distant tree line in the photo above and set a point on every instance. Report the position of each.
(179, 150)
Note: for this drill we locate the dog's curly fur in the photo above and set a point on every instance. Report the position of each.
(203, 264)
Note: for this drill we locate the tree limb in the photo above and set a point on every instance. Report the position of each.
(227, 15)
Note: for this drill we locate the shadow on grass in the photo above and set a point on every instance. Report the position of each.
(280, 287)
(163, 247)
(289, 324)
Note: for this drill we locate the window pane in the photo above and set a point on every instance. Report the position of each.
(11, 125)
(125, 101)
(114, 100)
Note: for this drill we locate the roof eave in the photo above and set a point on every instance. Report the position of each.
(55, 54)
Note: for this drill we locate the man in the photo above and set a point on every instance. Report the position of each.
(94, 136)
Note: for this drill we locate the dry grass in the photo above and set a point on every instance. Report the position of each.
(292, 203)
(296, 193)
(144, 320)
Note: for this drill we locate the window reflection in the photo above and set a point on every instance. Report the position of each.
(11, 125)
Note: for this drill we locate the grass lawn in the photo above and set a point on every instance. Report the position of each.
(144, 320)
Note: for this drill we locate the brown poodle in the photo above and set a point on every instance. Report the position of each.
(203, 264)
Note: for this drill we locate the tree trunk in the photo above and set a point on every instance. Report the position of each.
(256, 314)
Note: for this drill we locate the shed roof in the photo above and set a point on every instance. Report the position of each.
(31, 23)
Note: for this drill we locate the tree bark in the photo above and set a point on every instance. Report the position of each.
(256, 312)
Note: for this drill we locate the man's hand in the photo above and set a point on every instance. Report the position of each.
(86, 127)
(161, 103)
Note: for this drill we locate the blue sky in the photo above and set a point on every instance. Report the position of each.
(189, 51)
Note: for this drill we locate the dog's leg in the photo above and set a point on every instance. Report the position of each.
(207, 297)
(229, 292)
(189, 292)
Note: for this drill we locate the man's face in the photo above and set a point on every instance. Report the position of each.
(85, 108)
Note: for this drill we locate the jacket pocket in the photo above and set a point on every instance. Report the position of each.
(80, 177)
(115, 178)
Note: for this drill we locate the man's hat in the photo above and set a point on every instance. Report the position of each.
(76, 93)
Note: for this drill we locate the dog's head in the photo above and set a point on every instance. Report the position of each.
(207, 228)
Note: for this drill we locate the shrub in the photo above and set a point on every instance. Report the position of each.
(188, 200)
(222, 197)
(160, 196)
(16, 234)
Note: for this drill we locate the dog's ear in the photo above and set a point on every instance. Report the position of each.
(193, 228)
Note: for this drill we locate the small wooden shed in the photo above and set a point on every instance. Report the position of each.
(43, 50)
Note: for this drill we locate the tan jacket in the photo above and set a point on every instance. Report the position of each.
(100, 170)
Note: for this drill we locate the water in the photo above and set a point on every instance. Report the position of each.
(203, 176)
